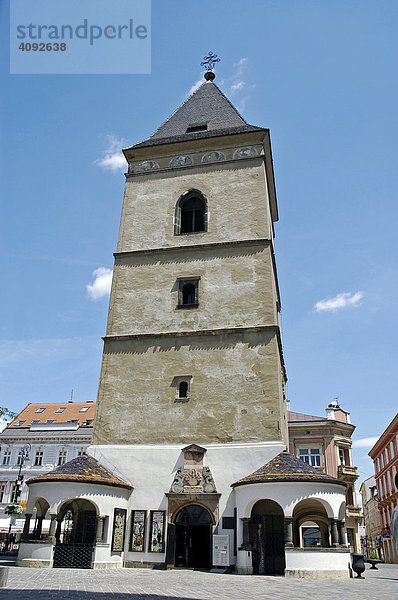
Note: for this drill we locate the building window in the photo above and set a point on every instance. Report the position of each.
(84, 409)
(341, 456)
(183, 388)
(50, 421)
(81, 452)
(35, 421)
(312, 456)
(188, 293)
(14, 493)
(40, 410)
(62, 457)
(39, 458)
(349, 497)
(61, 409)
(19, 423)
(191, 213)
(7, 457)
(2, 490)
(20, 458)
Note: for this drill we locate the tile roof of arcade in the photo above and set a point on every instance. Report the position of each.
(84, 469)
(287, 467)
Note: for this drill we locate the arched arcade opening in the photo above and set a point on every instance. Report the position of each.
(75, 534)
(267, 538)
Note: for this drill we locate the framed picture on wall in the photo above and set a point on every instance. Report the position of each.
(156, 533)
(119, 528)
(137, 540)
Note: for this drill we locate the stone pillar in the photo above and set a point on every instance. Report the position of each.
(245, 533)
(53, 524)
(39, 525)
(342, 533)
(334, 532)
(25, 533)
(58, 531)
(289, 532)
(100, 529)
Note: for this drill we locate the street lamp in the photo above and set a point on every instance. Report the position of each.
(22, 458)
(14, 508)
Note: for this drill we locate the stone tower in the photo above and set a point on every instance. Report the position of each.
(193, 350)
(188, 465)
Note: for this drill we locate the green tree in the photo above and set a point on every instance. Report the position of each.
(6, 413)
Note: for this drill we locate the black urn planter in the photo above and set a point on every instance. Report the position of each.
(358, 565)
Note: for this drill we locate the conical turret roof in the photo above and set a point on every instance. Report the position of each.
(83, 469)
(287, 467)
(207, 107)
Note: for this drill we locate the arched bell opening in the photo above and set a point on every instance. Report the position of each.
(267, 538)
(193, 531)
(75, 534)
(191, 213)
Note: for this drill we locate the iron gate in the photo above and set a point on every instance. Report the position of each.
(78, 556)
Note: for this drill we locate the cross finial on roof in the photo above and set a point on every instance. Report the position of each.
(209, 61)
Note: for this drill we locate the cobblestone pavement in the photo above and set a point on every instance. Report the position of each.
(144, 584)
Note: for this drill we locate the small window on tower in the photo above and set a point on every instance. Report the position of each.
(188, 293)
(196, 127)
(183, 388)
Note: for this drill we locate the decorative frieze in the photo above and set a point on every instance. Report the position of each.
(245, 152)
(213, 156)
(181, 161)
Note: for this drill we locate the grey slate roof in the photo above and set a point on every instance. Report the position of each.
(206, 105)
(26, 434)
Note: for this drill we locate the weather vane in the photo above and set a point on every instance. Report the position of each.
(209, 61)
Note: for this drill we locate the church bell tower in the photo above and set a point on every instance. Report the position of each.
(193, 350)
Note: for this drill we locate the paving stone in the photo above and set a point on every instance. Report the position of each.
(144, 584)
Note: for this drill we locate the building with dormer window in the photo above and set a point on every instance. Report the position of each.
(52, 435)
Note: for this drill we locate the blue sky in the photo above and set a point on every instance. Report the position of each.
(322, 76)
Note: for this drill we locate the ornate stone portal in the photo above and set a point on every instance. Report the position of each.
(193, 483)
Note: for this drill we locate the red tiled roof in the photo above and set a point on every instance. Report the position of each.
(72, 411)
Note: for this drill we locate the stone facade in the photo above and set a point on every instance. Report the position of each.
(230, 344)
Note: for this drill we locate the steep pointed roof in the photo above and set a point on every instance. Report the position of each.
(207, 105)
(83, 469)
(287, 467)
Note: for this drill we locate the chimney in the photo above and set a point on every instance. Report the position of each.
(330, 411)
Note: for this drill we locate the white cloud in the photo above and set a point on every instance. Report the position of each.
(101, 285)
(196, 86)
(112, 158)
(365, 442)
(237, 87)
(340, 301)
